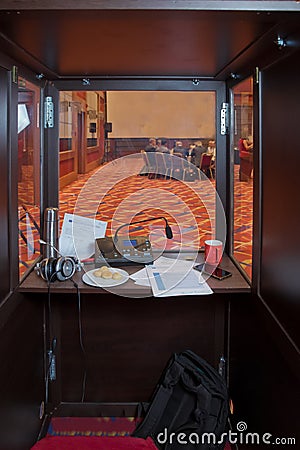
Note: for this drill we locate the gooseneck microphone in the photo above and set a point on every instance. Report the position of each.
(168, 230)
(131, 250)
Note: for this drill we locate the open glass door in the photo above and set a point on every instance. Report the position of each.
(28, 173)
(243, 176)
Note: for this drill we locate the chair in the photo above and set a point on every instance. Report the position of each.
(168, 163)
(206, 165)
(145, 169)
(161, 168)
(151, 164)
(246, 162)
(180, 155)
(198, 154)
(177, 168)
(190, 171)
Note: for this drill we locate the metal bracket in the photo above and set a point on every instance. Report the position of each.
(15, 74)
(224, 118)
(52, 366)
(49, 113)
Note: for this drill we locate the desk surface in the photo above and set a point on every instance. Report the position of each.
(33, 283)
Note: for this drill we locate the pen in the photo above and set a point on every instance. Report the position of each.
(88, 261)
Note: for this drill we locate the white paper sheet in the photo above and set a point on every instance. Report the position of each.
(141, 277)
(78, 235)
(169, 277)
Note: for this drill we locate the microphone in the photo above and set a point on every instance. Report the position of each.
(168, 230)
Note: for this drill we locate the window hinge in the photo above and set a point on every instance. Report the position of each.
(51, 366)
(49, 113)
(15, 74)
(256, 75)
(224, 118)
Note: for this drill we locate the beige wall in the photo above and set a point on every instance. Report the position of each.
(161, 114)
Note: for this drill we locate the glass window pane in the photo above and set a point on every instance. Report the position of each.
(28, 174)
(92, 99)
(65, 122)
(243, 174)
(122, 123)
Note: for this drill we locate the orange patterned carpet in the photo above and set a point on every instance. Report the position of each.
(105, 195)
(121, 200)
(243, 222)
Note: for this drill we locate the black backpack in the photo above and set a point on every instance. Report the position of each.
(189, 408)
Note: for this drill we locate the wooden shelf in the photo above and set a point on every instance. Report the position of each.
(35, 284)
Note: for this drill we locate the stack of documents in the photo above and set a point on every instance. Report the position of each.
(172, 277)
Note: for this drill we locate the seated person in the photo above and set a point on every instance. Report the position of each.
(190, 153)
(246, 158)
(211, 149)
(178, 148)
(163, 146)
(151, 147)
(198, 151)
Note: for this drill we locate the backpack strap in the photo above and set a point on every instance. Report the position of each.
(202, 410)
(154, 412)
(162, 396)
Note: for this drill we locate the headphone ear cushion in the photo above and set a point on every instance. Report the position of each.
(61, 269)
(49, 269)
(65, 268)
(45, 269)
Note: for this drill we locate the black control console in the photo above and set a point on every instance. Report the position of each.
(134, 250)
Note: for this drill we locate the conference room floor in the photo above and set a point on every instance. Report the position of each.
(126, 189)
(185, 207)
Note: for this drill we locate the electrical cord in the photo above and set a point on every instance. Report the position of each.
(51, 352)
(83, 351)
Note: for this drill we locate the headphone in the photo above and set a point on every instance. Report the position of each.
(61, 269)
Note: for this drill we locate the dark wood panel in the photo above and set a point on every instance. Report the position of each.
(4, 201)
(123, 147)
(50, 176)
(264, 383)
(94, 409)
(9, 238)
(65, 144)
(280, 282)
(21, 374)
(129, 341)
(93, 155)
(128, 34)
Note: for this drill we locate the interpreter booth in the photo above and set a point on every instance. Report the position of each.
(192, 257)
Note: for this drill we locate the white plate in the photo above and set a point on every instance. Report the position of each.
(90, 279)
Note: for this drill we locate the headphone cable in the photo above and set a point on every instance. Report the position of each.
(83, 351)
